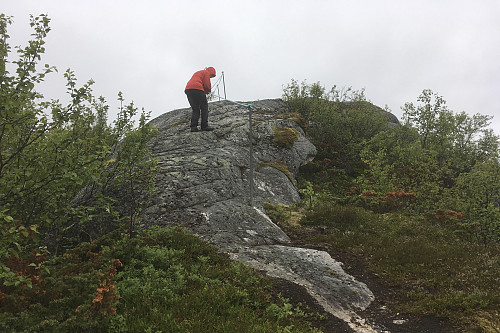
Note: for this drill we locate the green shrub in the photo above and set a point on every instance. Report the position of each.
(339, 122)
(164, 280)
(62, 167)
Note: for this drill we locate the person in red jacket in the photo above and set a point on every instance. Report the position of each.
(196, 90)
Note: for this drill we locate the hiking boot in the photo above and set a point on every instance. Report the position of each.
(194, 129)
(208, 128)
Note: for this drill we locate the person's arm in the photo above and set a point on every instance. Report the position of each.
(207, 85)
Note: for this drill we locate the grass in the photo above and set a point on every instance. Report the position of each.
(278, 165)
(166, 280)
(181, 122)
(294, 116)
(435, 272)
(285, 136)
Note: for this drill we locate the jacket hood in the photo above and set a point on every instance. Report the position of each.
(211, 70)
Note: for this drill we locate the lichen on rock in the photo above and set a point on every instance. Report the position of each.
(203, 183)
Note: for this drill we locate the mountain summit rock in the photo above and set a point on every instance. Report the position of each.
(203, 183)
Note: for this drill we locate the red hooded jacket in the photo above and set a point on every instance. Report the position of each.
(201, 80)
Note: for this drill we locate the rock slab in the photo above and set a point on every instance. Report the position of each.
(204, 183)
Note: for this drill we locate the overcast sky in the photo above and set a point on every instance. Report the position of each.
(392, 48)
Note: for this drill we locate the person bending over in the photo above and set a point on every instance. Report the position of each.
(196, 90)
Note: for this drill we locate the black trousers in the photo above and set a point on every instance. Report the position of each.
(198, 101)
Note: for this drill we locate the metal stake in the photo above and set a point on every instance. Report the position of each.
(250, 135)
(224, 84)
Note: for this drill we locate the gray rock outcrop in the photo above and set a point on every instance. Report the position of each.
(203, 183)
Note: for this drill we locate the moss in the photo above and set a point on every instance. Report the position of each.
(265, 112)
(293, 116)
(278, 165)
(488, 322)
(278, 213)
(285, 136)
(181, 122)
(284, 215)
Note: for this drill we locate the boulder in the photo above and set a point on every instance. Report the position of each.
(204, 184)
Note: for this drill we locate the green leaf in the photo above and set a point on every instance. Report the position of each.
(8, 218)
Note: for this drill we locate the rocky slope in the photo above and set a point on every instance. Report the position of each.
(204, 184)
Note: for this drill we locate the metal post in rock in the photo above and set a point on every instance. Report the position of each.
(224, 85)
(250, 137)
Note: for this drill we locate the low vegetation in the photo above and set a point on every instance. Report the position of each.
(278, 165)
(164, 280)
(285, 136)
(431, 269)
(417, 203)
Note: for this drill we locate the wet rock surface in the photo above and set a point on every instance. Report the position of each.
(204, 184)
